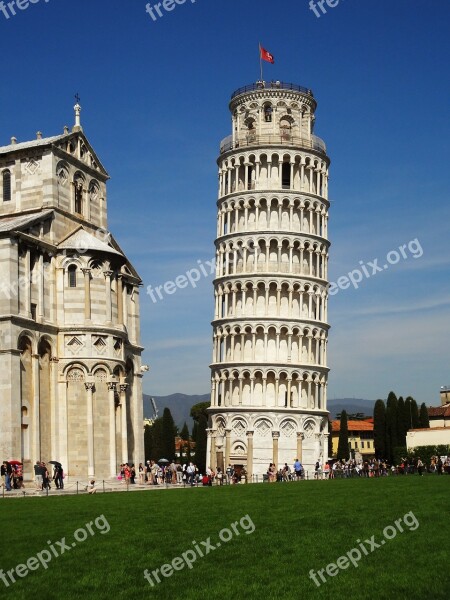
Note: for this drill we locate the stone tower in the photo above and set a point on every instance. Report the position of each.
(70, 353)
(269, 373)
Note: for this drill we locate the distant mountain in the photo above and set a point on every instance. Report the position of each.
(180, 406)
(351, 405)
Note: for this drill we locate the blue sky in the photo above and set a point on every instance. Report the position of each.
(155, 106)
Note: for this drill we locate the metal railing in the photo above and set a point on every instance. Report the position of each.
(280, 139)
(272, 85)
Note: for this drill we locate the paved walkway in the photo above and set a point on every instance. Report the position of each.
(71, 488)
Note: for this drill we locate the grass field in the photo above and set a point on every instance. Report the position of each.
(292, 528)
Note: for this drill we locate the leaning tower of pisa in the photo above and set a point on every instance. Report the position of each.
(269, 365)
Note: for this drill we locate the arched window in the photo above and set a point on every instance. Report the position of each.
(268, 113)
(72, 271)
(6, 185)
(286, 176)
(78, 191)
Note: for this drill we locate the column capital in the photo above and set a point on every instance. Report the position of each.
(107, 274)
(123, 387)
(86, 270)
(54, 360)
(250, 433)
(275, 435)
(228, 432)
(300, 435)
(89, 385)
(111, 385)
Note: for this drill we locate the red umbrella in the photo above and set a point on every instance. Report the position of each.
(14, 462)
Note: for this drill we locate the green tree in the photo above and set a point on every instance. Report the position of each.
(200, 443)
(379, 428)
(402, 422)
(200, 409)
(343, 450)
(415, 414)
(424, 417)
(391, 426)
(153, 440)
(168, 435)
(408, 412)
(186, 447)
(199, 412)
(184, 434)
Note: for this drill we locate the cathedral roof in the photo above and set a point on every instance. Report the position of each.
(31, 144)
(82, 241)
(21, 221)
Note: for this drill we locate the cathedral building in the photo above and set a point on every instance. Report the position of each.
(70, 353)
(270, 331)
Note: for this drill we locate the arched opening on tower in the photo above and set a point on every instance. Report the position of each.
(286, 176)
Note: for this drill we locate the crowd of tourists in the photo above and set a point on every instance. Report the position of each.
(44, 475)
(381, 468)
(154, 473)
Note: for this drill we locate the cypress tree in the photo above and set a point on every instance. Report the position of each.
(200, 443)
(379, 428)
(391, 425)
(184, 435)
(402, 422)
(415, 414)
(408, 412)
(185, 448)
(168, 435)
(424, 417)
(153, 441)
(343, 450)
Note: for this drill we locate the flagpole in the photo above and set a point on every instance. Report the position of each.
(260, 62)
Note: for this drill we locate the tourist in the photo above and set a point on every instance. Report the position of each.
(8, 472)
(317, 471)
(419, 467)
(90, 488)
(272, 473)
(132, 474)
(219, 476)
(141, 474)
(127, 473)
(230, 473)
(286, 472)
(38, 475)
(179, 474)
(326, 470)
(190, 474)
(45, 478)
(58, 476)
(298, 468)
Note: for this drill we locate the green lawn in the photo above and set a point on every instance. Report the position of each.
(298, 527)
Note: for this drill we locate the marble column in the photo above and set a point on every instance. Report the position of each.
(250, 455)
(90, 428)
(112, 428)
(227, 447)
(87, 294)
(300, 438)
(275, 440)
(108, 275)
(124, 421)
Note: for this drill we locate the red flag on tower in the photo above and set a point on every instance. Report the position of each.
(265, 55)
